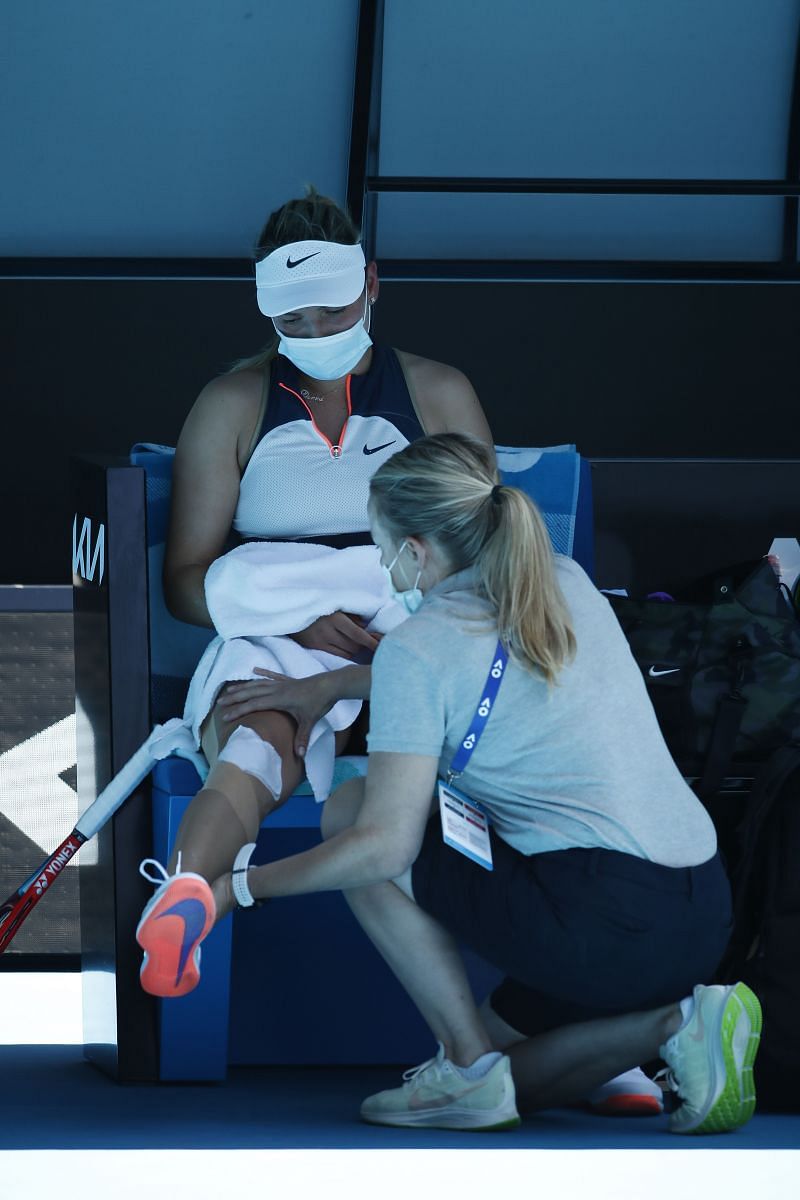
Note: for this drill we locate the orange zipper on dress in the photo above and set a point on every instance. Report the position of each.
(334, 447)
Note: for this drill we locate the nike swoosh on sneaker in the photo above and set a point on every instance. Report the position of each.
(375, 449)
(297, 261)
(193, 914)
(416, 1101)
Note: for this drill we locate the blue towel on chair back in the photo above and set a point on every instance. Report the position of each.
(551, 477)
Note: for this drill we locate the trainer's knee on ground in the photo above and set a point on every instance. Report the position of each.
(342, 808)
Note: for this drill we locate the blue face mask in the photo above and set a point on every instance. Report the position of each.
(410, 598)
(330, 357)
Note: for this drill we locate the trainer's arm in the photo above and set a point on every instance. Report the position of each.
(382, 844)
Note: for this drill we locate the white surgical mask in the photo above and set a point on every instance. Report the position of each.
(410, 598)
(328, 357)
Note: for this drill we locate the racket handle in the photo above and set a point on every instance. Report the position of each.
(116, 792)
(162, 741)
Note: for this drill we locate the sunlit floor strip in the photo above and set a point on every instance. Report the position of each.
(40, 1009)
(394, 1175)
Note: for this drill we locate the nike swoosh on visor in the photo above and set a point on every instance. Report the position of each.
(297, 262)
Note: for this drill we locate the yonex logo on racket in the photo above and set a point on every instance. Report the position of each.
(53, 868)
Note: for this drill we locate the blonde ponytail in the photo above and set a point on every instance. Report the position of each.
(445, 488)
(517, 574)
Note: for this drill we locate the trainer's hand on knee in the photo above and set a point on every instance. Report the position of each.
(305, 700)
(340, 633)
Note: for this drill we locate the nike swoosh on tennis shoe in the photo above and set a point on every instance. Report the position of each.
(654, 674)
(297, 261)
(441, 1101)
(171, 963)
(193, 914)
(375, 449)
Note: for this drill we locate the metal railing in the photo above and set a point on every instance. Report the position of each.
(366, 185)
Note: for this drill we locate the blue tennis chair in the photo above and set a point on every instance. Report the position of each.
(297, 982)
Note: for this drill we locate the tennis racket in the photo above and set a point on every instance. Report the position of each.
(21, 903)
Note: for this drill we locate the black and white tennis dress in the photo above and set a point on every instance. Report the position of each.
(300, 486)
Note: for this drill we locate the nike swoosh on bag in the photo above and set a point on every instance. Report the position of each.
(193, 914)
(375, 449)
(654, 674)
(297, 261)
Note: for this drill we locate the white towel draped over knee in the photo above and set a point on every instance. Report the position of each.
(262, 591)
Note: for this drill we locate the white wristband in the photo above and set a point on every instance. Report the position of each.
(241, 890)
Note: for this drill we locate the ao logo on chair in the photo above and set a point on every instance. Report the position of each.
(86, 558)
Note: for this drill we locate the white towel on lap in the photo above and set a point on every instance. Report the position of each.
(263, 590)
(270, 588)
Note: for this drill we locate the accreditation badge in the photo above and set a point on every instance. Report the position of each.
(465, 825)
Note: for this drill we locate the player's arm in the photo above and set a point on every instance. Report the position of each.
(446, 400)
(205, 490)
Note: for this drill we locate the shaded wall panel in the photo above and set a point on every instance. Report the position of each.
(167, 129)
(622, 370)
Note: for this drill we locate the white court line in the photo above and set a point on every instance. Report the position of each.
(40, 1009)
(396, 1175)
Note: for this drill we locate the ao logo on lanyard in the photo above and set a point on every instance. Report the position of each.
(465, 825)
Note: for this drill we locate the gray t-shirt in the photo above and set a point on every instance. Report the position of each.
(582, 763)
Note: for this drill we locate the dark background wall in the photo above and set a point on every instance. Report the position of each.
(694, 370)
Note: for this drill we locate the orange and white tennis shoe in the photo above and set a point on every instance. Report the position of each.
(171, 928)
(632, 1094)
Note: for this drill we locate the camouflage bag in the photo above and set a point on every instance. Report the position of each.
(765, 947)
(722, 668)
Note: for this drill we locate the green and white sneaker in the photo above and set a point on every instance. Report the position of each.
(440, 1095)
(711, 1058)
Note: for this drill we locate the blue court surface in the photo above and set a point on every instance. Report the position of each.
(307, 1108)
(60, 1114)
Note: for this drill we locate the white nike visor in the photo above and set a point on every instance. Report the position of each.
(306, 274)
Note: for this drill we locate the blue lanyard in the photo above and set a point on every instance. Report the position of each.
(490, 690)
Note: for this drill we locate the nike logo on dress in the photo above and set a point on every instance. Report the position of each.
(297, 261)
(193, 914)
(375, 449)
(669, 671)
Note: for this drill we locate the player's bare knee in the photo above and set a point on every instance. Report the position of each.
(254, 756)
